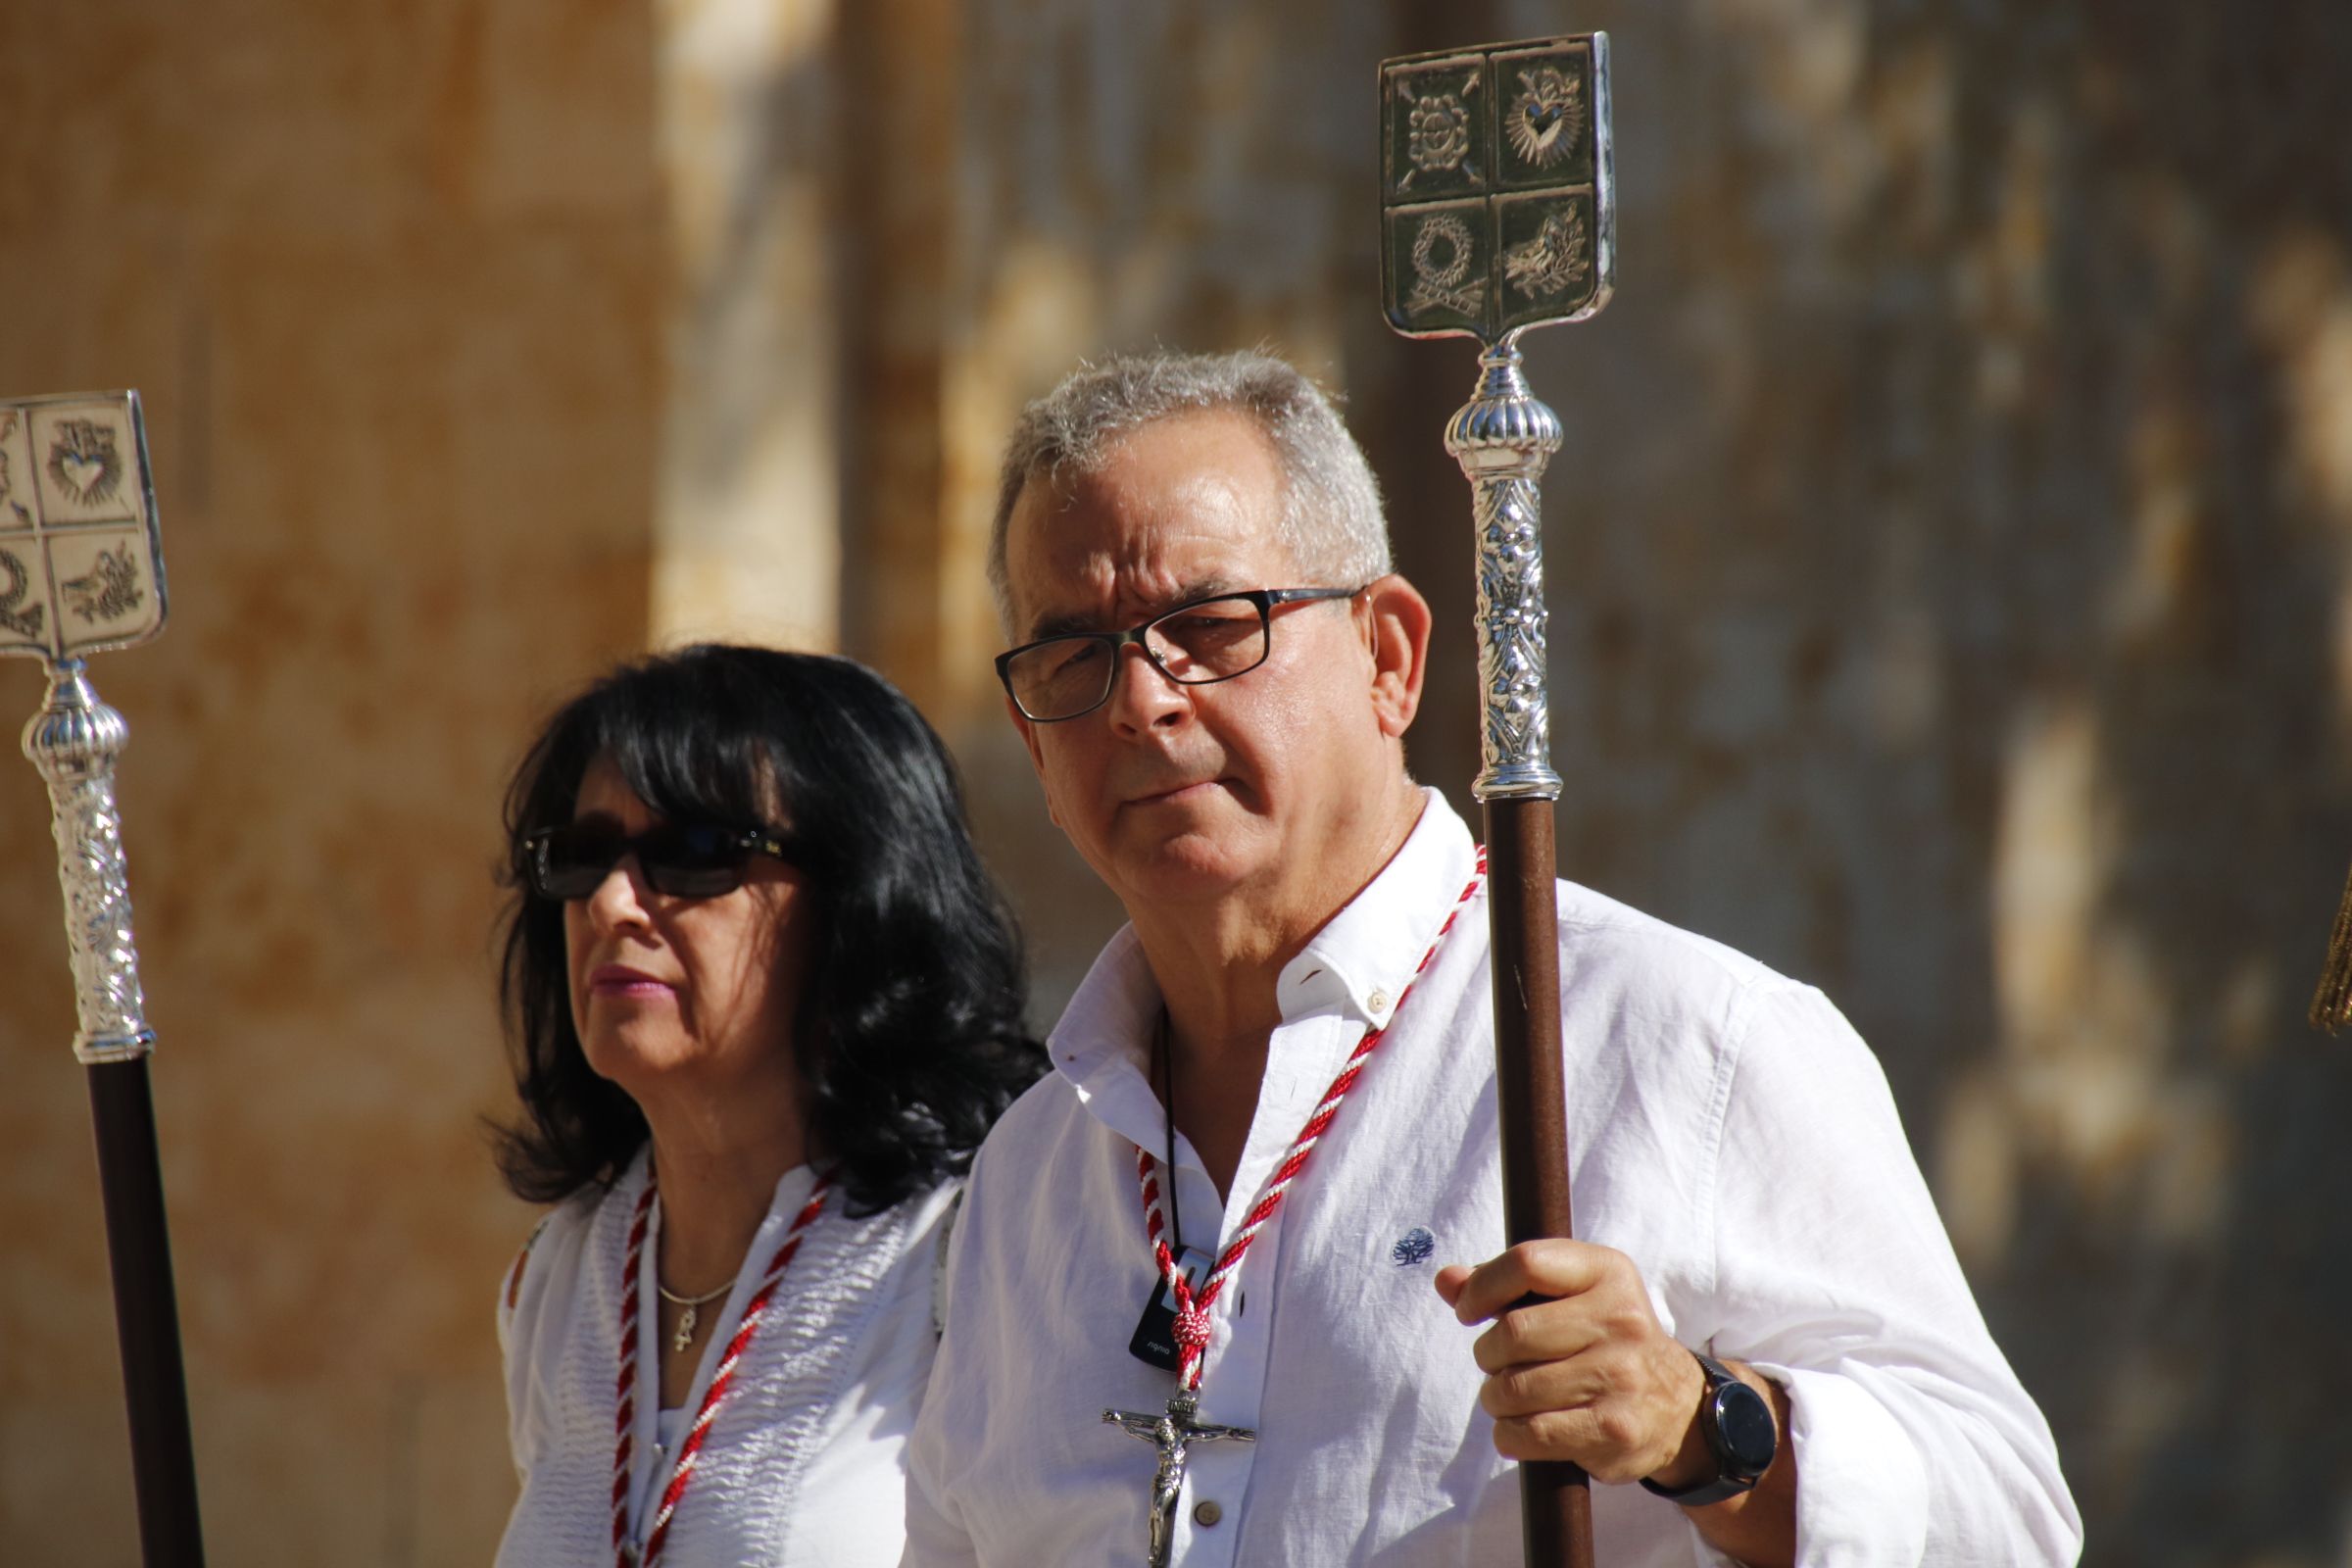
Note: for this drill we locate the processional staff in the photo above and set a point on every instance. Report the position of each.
(1498, 214)
(81, 570)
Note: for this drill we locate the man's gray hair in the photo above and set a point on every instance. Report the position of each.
(1331, 518)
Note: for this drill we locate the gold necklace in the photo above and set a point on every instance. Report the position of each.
(692, 1304)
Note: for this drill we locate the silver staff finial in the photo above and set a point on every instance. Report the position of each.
(1498, 214)
(81, 570)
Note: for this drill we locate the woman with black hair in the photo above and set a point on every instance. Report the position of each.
(764, 1001)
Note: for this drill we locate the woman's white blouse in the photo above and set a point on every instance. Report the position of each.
(805, 1466)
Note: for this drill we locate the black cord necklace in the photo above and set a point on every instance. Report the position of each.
(1164, 1039)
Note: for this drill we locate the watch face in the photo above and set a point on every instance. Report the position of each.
(1745, 1422)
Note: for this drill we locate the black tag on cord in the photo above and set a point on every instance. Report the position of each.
(1155, 1342)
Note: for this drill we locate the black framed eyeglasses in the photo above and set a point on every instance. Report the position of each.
(682, 860)
(1197, 644)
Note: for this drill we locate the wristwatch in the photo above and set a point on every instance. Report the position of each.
(1737, 1422)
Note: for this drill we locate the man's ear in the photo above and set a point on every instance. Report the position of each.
(1399, 623)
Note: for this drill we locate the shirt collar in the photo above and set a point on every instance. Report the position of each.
(1365, 956)
(1100, 1043)
(1358, 965)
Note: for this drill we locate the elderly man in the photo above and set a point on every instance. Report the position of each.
(1247, 1194)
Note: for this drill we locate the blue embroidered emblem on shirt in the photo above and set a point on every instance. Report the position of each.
(1414, 1247)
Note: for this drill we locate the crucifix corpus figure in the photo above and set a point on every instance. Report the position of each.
(1171, 1433)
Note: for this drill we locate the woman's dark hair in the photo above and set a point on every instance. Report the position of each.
(908, 1036)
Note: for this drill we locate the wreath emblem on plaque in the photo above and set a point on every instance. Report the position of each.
(1551, 261)
(1441, 266)
(1548, 120)
(14, 580)
(110, 589)
(83, 462)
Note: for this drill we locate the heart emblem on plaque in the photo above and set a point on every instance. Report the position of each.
(1548, 117)
(80, 472)
(83, 462)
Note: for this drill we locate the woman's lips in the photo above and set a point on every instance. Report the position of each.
(619, 980)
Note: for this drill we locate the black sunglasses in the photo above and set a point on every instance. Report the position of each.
(682, 860)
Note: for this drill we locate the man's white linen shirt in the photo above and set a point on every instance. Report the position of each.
(1727, 1131)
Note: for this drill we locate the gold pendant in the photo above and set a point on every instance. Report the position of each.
(685, 1335)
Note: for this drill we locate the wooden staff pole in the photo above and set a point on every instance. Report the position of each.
(1556, 1498)
(138, 1245)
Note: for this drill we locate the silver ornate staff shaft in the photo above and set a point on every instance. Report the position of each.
(1503, 437)
(73, 740)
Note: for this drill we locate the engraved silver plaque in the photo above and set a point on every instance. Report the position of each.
(81, 566)
(1498, 195)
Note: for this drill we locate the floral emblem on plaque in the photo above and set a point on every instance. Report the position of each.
(1440, 132)
(110, 589)
(1547, 119)
(1442, 254)
(14, 581)
(83, 462)
(1553, 259)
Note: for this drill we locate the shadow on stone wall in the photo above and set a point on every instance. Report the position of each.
(1950, 611)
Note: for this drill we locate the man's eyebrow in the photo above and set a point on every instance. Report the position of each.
(1061, 626)
(1075, 625)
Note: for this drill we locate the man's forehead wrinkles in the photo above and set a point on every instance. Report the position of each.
(1178, 510)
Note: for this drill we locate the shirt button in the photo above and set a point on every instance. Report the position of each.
(1207, 1513)
(1378, 1002)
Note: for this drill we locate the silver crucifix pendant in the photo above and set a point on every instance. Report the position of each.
(1171, 1433)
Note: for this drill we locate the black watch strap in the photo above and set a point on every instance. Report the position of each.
(1704, 1492)
(1732, 1476)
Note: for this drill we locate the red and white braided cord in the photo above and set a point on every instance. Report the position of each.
(1193, 1307)
(690, 1451)
(625, 1416)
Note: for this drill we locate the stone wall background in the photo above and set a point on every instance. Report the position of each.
(1952, 564)
(390, 279)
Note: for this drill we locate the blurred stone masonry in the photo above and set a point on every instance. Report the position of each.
(1951, 561)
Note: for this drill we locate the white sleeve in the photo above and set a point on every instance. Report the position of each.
(934, 1538)
(518, 1311)
(1914, 1440)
